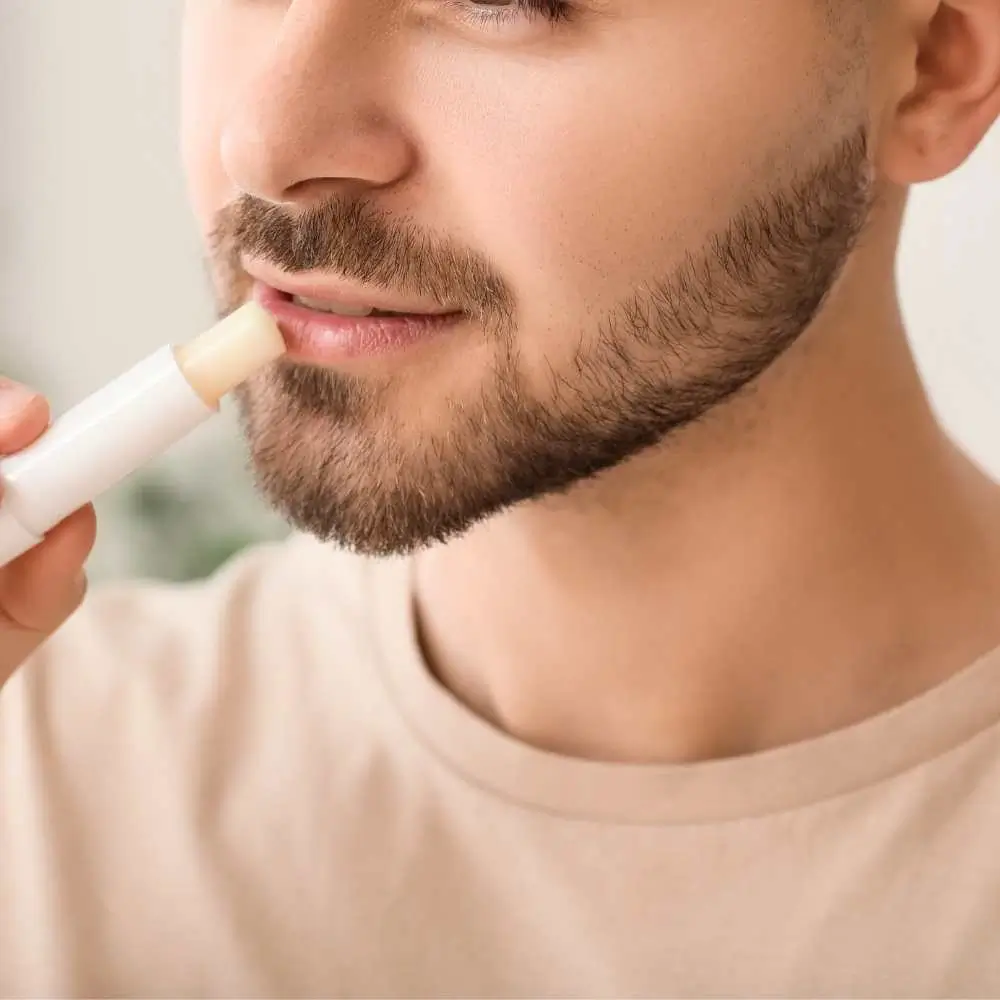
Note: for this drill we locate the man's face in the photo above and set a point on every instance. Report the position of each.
(637, 204)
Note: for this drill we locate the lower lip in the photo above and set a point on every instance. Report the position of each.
(327, 338)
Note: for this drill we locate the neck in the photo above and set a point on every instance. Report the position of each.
(816, 552)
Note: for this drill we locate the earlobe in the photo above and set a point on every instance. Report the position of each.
(955, 96)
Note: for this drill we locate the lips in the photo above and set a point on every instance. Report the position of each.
(330, 294)
(324, 337)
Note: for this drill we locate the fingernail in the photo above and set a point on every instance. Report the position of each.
(14, 397)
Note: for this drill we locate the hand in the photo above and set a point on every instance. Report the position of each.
(42, 588)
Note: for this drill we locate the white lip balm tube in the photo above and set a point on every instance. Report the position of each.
(131, 420)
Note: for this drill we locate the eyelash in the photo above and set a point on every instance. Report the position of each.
(553, 11)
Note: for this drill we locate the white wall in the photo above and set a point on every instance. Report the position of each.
(98, 258)
(949, 278)
(99, 262)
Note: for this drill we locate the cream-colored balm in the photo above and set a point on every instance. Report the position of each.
(119, 428)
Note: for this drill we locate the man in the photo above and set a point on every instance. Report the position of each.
(642, 635)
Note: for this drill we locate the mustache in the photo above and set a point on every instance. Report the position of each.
(357, 242)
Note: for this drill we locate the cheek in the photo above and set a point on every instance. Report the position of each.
(208, 187)
(201, 124)
(585, 176)
(222, 44)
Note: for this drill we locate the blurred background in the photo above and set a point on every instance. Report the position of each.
(100, 261)
(100, 264)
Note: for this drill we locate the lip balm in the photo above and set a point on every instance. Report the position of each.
(134, 418)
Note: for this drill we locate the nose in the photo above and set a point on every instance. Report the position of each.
(312, 120)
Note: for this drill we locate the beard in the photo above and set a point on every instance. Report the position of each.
(340, 456)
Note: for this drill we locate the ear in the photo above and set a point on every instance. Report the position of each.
(952, 93)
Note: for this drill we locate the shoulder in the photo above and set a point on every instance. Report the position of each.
(180, 735)
(144, 661)
(265, 591)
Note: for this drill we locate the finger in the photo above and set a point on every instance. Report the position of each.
(41, 588)
(24, 415)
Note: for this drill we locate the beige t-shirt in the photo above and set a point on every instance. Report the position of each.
(253, 787)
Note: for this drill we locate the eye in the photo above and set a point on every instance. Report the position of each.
(486, 13)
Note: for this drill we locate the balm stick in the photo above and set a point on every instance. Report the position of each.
(131, 420)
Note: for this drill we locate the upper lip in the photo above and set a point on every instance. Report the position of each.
(338, 291)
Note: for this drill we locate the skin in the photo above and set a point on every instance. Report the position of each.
(42, 588)
(792, 544)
